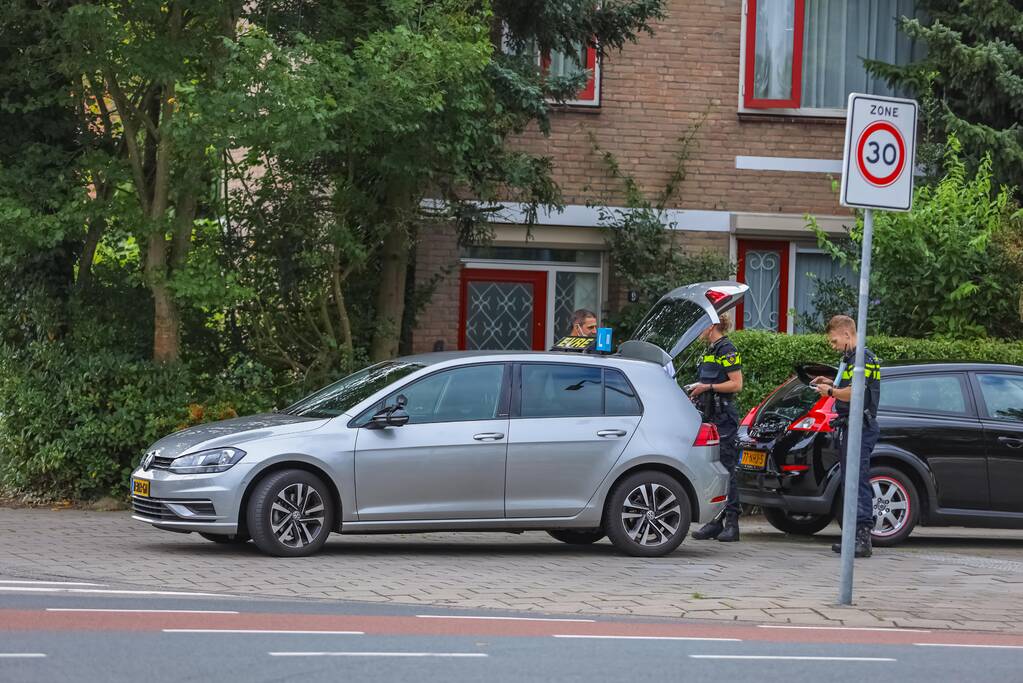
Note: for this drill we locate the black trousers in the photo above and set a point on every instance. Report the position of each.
(727, 422)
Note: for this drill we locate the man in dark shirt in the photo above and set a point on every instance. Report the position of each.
(841, 333)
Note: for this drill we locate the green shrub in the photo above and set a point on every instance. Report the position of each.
(73, 425)
(768, 358)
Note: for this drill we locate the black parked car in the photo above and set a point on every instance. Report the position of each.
(950, 452)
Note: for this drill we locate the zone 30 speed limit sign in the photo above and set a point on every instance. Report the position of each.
(880, 150)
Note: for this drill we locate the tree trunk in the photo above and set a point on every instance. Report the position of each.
(391, 294)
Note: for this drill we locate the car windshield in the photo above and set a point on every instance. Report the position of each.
(342, 395)
(791, 402)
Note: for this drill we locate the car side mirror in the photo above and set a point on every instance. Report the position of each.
(390, 416)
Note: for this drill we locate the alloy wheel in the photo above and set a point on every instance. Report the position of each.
(651, 514)
(297, 515)
(891, 506)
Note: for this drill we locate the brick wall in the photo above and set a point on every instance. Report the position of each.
(654, 90)
(437, 255)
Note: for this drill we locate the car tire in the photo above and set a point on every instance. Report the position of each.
(898, 488)
(796, 523)
(226, 539)
(272, 522)
(629, 518)
(578, 537)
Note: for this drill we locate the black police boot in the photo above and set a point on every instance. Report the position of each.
(731, 532)
(862, 548)
(711, 529)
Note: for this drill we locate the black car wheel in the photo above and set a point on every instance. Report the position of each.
(647, 514)
(797, 523)
(290, 514)
(583, 537)
(895, 506)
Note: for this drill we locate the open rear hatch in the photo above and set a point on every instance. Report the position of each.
(678, 318)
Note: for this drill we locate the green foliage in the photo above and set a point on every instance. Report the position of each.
(646, 254)
(74, 425)
(768, 358)
(973, 75)
(951, 267)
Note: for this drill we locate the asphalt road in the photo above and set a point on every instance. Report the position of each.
(54, 631)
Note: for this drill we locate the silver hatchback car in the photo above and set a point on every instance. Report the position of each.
(578, 445)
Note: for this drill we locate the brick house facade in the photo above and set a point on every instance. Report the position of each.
(758, 164)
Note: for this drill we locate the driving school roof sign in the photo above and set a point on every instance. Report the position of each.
(880, 153)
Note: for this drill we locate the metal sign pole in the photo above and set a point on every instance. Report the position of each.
(852, 457)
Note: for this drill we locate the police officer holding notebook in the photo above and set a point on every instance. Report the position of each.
(719, 381)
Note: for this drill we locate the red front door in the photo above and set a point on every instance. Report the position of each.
(502, 310)
(764, 266)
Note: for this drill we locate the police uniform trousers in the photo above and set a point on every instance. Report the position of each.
(864, 492)
(727, 422)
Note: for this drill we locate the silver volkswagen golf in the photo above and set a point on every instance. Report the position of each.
(581, 446)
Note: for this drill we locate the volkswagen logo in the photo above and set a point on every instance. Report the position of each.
(147, 460)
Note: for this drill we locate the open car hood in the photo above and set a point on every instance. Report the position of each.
(806, 372)
(679, 317)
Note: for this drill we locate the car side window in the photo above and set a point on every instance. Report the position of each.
(619, 396)
(1003, 395)
(556, 390)
(924, 394)
(465, 393)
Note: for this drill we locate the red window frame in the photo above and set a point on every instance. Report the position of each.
(589, 95)
(748, 100)
(783, 284)
(538, 278)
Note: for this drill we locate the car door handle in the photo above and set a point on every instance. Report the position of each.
(608, 433)
(1011, 442)
(489, 436)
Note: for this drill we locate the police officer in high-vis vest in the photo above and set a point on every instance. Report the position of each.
(719, 381)
(841, 331)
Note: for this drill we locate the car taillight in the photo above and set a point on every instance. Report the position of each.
(708, 435)
(715, 296)
(794, 468)
(818, 419)
(748, 420)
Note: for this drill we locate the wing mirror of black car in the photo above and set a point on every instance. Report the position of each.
(390, 416)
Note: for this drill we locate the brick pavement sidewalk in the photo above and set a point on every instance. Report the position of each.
(942, 578)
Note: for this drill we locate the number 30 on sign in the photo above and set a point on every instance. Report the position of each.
(880, 144)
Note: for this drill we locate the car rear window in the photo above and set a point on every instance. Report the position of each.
(791, 402)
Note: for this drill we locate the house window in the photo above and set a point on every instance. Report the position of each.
(584, 58)
(808, 54)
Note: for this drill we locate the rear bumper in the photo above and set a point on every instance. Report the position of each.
(763, 489)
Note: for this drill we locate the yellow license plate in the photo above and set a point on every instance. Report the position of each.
(140, 487)
(753, 459)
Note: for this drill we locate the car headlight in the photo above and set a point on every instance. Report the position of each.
(216, 460)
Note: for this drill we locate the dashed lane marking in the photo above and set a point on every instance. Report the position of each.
(489, 618)
(454, 655)
(50, 583)
(596, 637)
(142, 611)
(797, 658)
(252, 631)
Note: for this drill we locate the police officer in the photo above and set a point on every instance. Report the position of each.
(720, 379)
(841, 331)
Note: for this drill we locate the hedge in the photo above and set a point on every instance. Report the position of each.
(768, 358)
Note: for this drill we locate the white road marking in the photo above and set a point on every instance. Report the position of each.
(380, 654)
(797, 658)
(844, 628)
(442, 616)
(21, 655)
(1000, 647)
(143, 611)
(263, 631)
(51, 583)
(719, 640)
(106, 591)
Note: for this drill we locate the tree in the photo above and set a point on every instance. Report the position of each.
(973, 75)
(950, 267)
(424, 111)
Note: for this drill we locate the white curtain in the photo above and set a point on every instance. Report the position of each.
(772, 77)
(838, 35)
